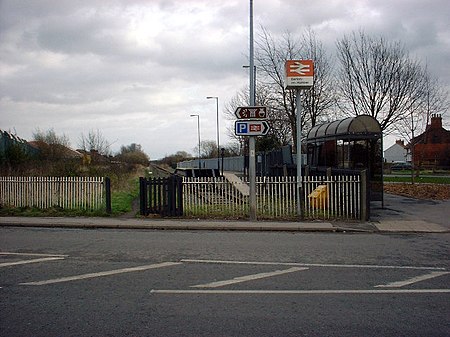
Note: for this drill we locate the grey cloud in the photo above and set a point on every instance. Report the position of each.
(75, 65)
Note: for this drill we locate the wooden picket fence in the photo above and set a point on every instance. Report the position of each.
(85, 193)
(333, 197)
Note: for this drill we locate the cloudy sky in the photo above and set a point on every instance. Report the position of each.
(137, 69)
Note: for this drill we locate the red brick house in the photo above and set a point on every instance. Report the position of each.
(432, 148)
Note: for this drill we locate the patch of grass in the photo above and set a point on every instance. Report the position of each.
(49, 212)
(421, 172)
(122, 199)
(124, 189)
(121, 202)
(424, 179)
(435, 172)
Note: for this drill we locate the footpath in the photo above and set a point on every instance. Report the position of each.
(399, 215)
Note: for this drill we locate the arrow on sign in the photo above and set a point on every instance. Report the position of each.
(300, 68)
(251, 128)
(251, 112)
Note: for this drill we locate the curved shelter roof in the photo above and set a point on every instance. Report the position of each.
(359, 127)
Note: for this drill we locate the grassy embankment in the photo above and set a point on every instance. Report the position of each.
(124, 190)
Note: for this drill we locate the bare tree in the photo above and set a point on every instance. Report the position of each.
(435, 96)
(279, 129)
(433, 100)
(51, 145)
(50, 137)
(378, 78)
(271, 55)
(95, 141)
(208, 149)
(133, 153)
(318, 102)
(241, 98)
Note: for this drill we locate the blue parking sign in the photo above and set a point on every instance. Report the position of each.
(241, 128)
(251, 128)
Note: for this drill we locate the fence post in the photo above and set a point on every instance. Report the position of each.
(108, 195)
(143, 195)
(179, 184)
(171, 193)
(364, 200)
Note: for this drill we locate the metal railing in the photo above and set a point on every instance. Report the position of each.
(332, 197)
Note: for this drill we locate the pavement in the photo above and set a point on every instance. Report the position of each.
(402, 214)
(397, 215)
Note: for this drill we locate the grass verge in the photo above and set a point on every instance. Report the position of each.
(124, 189)
(54, 211)
(122, 200)
(420, 179)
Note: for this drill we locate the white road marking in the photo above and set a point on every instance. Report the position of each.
(298, 292)
(247, 278)
(44, 259)
(32, 254)
(100, 274)
(311, 264)
(413, 280)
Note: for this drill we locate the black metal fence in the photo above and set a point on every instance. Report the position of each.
(161, 196)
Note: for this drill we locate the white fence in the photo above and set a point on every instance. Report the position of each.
(335, 197)
(45, 192)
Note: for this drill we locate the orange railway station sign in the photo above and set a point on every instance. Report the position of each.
(299, 74)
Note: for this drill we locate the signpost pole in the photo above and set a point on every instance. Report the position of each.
(299, 75)
(251, 142)
(298, 106)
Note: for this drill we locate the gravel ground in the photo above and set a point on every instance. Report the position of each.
(419, 191)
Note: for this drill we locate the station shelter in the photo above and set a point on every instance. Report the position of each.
(350, 144)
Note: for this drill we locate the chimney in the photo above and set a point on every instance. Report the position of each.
(436, 122)
(400, 142)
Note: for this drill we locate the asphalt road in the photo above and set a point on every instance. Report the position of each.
(62, 282)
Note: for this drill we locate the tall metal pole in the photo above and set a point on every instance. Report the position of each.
(217, 127)
(199, 143)
(298, 107)
(252, 161)
(218, 143)
(254, 89)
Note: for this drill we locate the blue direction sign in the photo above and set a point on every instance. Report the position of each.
(251, 128)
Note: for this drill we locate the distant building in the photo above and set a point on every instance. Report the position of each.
(55, 150)
(9, 140)
(431, 149)
(397, 153)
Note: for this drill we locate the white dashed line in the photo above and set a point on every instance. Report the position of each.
(310, 264)
(101, 274)
(33, 254)
(413, 280)
(299, 292)
(247, 278)
(16, 263)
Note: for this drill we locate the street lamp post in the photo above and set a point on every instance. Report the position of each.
(251, 141)
(217, 126)
(199, 143)
(254, 80)
(247, 141)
